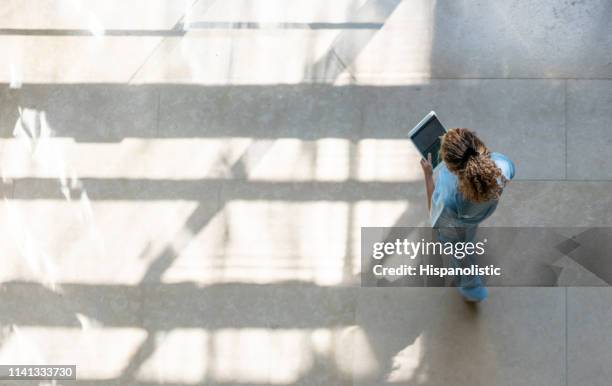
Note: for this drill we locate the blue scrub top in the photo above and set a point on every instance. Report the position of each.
(450, 209)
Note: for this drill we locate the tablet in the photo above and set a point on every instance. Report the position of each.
(426, 137)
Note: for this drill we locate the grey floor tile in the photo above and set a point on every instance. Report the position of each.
(351, 191)
(575, 275)
(589, 320)
(589, 129)
(241, 305)
(549, 39)
(103, 113)
(34, 305)
(303, 111)
(554, 203)
(119, 189)
(431, 337)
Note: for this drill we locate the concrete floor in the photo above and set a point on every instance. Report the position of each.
(184, 183)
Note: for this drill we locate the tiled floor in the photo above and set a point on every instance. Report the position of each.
(184, 185)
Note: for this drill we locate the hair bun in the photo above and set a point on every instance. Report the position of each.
(469, 153)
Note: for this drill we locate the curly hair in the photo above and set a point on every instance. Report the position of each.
(467, 157)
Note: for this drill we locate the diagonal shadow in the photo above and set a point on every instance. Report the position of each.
(350, 42)
(203, 214)
(200, 217)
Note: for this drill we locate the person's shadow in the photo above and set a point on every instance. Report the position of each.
(417, 336)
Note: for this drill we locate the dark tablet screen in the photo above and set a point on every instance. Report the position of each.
(427, 139)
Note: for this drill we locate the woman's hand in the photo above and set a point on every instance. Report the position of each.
(428, 176)
(426, 166)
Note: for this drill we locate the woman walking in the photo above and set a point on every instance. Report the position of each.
(466, 191)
